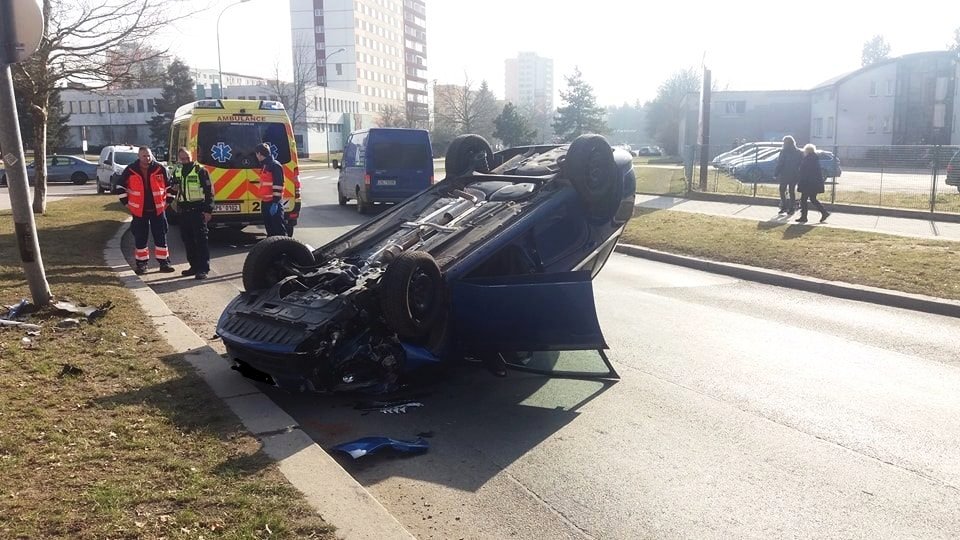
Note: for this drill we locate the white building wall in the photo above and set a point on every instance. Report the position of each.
(109, 117)
(866, 107)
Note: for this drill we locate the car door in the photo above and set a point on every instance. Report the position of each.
(355, 167)
(104, 168)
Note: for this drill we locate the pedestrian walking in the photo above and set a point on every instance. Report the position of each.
(194, 195)
(271, 191)
(810, 183)
(786, 173)
(145, 190)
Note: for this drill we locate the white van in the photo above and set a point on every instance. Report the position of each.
(113, 159)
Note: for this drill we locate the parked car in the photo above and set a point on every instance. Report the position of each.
(113, 159)
(384, 165)
(495, 259)
(741, 151)
(649, 151)
(757, 154)
(61, 169)
(763, 170)
(953, 171)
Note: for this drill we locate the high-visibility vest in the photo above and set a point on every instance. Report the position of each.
(267, 190)
(191, 190)
(136, 191)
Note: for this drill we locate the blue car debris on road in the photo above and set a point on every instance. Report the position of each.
(496, 259)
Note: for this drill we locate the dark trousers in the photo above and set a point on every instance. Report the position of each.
(273, 222)
(783, 195)
(142, 228)
(195, 235)
(812, 197)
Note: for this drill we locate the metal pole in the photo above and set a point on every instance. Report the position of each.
(933, 187)
(16, 170)
(326, 119)
(219, 63)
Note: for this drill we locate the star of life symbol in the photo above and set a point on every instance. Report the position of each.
(274, 151)
(221, 152)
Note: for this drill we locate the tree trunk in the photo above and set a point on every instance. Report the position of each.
(39, 111)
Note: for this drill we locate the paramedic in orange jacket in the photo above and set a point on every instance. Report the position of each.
(271, 191)
(145, 191)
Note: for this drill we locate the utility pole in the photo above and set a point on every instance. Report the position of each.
(21, 26)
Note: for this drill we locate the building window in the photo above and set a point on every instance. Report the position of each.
(873, 88)
(339, 69)
(83, 107)
(140, 108)
(735, 107)
(890, 87)
(830, 127)
(871, 124)
(818, 127)
(885, 124)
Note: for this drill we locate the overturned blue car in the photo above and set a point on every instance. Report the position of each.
(494, 261)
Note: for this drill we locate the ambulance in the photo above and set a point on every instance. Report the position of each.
(222, 135)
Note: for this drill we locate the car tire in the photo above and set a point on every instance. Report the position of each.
(411, 294)
(341, 200)
(590, 167)
(79, 178)
(466, 154)
(263, 267)
(100, 190)
(113, 186)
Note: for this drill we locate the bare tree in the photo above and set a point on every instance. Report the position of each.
(394, 117)
(293, 94)
(465, 109)
(90, 42)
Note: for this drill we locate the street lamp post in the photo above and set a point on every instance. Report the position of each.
(219, 63)
(326, 106)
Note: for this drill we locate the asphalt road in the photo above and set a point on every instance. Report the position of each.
(743, 411)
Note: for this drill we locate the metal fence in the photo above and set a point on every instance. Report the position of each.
(907, 177)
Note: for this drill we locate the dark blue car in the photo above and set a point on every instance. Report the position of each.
(494, 261)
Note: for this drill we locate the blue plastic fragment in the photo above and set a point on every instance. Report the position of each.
(417, 357)
(15, 310)
(368, 445)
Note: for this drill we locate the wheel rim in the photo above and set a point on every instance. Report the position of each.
(421, 295)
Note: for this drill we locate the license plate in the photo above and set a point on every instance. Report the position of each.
(386, 182)
(226, 207)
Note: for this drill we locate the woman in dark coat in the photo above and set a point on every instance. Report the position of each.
(788, 163)
(810, 183)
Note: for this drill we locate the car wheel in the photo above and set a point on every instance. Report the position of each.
(340, 198)
(411, 294)
(362, 206)
(100, 190)
(113, 186)
(468, 153)
(79, 178)
(267, 263)
(753, 175)
(590, 167)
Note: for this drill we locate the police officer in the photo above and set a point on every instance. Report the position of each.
(144, 189)
(194, 194)
(271, 191)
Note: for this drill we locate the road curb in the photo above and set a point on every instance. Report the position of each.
(839, 289)
(332, 492)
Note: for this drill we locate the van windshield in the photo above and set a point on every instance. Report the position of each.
(395, 155)
(230, 145)
(124, 158)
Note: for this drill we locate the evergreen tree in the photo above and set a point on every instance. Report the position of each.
(580, 113)
(512, 127)
(178, 90)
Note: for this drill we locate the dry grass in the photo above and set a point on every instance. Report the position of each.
(103, 432)
(879, 260)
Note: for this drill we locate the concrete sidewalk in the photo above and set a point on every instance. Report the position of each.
(916, 228)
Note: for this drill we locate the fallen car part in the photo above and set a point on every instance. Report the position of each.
(18, 324)
(396, 407)
(17, 308)
(368, 445)
(90, 312)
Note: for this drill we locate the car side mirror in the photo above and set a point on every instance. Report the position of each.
(336, 164)
(108, 162)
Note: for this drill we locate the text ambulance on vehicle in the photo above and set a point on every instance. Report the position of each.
(222, 134)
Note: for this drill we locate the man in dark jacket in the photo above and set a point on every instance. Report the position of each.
(144, 189)
(194, 194)
(271, 191)
(788, 166)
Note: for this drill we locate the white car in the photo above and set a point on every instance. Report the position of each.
(113, 159)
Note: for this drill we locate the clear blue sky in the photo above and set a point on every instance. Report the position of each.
(624, 48)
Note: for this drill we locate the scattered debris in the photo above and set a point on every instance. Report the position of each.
(68, 323)
(90, 312)
(426, 434)
(388, 407)
(18, 324)
(401, 409)
(368, 445)
(17, 308)
(70, 370)
(34, 333)
(27, 343)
